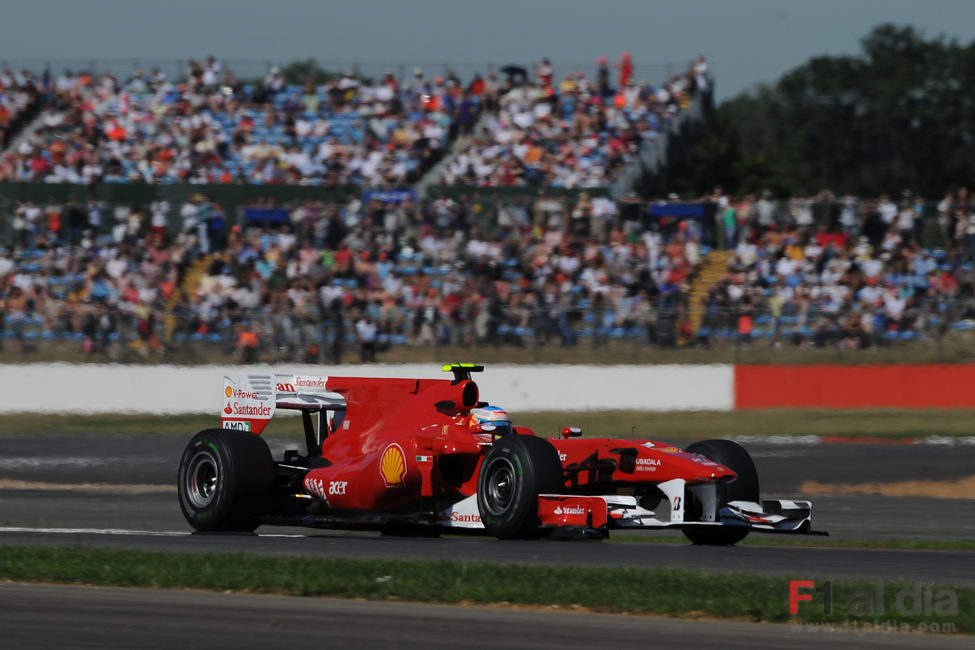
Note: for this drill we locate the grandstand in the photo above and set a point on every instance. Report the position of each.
(148, 214)
(152, 130)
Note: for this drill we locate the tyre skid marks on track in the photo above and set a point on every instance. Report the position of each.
(115, 488)
(59, 462)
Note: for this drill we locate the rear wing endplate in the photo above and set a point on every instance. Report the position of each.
(250, 402)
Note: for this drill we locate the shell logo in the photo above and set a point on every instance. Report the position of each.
(228, 392)
(392, 466)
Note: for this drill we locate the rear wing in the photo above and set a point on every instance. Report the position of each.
(250, 402)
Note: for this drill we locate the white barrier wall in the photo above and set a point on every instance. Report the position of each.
(89, 388)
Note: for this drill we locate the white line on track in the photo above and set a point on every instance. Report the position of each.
(783, 439)
(115, 531)
(92, 531)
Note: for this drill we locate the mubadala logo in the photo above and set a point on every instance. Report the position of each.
(570, 510)
(647, 464)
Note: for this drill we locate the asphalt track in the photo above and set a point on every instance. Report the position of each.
(118, 492)
(139, 618)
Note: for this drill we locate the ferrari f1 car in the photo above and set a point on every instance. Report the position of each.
(424, 455)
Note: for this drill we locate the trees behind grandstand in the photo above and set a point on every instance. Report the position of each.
(897, 116)
(299, 72)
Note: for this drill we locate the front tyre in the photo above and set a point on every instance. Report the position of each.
(226, 480)
(514, 472)
(743, 487)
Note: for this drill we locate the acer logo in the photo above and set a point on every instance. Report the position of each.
(337, 488)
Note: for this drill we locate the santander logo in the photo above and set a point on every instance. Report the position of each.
(310, 382)
(570, 510)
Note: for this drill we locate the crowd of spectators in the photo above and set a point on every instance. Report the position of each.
(212, 128)
(95, 290)
(828, 270)
(308, 278)
(19, 102)
(433, 272)
(476, 271)
(573, 132)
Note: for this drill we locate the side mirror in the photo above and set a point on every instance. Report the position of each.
(571, 432)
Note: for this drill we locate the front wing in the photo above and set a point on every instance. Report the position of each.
(599, 514)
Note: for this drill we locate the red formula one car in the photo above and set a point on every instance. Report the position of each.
(422, 455)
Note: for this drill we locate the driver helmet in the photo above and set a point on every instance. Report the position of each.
(494, 416)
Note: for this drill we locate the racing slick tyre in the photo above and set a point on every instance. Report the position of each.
(744, 487)
(226, 480)
(514, 472)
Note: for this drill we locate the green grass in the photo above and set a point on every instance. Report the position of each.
(683, 425)
(120, 424)
(675, 592)
(817, 542)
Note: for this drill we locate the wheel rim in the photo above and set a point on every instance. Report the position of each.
(500, 486)
(201, 479)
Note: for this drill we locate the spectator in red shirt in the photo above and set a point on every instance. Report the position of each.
(626, 68)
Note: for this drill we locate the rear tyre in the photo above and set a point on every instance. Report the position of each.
(514, 472)
(226, 480)
(744, 487)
